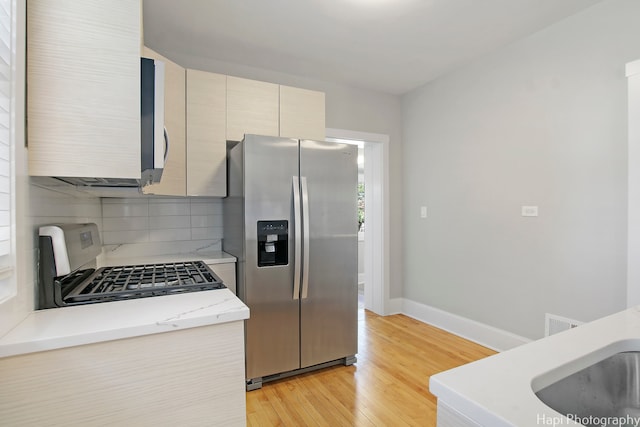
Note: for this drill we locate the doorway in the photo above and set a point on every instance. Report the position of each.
(376, 167)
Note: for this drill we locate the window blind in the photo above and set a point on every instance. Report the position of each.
(6, 120)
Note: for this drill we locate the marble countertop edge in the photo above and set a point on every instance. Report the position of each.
(64, 327)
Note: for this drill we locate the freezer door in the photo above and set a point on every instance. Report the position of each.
(272, 331)
(329, 294)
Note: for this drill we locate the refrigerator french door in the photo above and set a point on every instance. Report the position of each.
(291, 221)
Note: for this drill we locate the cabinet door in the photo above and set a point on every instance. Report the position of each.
(206, 143)
(174, 176)
(83, 80)
(227, 273)
(252, 107)
(302, 113)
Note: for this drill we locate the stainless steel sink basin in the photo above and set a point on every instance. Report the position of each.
(604, 391)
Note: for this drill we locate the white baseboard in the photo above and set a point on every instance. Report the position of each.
(485, 335)
(395, 306)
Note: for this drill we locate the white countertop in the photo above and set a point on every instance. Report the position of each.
(91, 323)
(499, 390)
(85, 324)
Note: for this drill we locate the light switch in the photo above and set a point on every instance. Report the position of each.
(529, 211)
(423, 211)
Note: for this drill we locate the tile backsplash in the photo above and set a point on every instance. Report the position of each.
(164, 221)
(51, 207)
(148, 220)
(128, 226)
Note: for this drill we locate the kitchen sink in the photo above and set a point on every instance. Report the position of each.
(602, 394)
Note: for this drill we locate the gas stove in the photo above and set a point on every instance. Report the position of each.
(68, 277)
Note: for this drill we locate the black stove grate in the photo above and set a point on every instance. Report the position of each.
(138, 281)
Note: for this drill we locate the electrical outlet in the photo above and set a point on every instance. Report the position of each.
(529, 211)
(423, 211)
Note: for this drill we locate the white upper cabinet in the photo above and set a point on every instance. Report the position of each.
(302, 113)
(262, 108)
(83, 102)
(174, 176)
(83, 88)
(252, 107)
(206, 143)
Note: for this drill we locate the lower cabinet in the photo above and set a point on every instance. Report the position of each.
(187, 377)
(449, 417)
(227, 272)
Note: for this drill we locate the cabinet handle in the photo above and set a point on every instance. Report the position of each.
(166, 144)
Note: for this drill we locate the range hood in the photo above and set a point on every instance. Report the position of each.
(78, 187)
(102, 182)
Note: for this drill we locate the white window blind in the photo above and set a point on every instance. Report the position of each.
(6, 136)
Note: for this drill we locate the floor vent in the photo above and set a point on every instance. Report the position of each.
(554, 324)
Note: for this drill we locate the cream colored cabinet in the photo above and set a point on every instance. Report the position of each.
(252, 107)
(269, 109)
(174, 176)
(227, 273)
(185, 377)
(206, 143)
(83, 88)
(302, 113)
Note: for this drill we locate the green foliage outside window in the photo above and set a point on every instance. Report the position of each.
(360, 205)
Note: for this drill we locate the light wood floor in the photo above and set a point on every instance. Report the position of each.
(388, 386)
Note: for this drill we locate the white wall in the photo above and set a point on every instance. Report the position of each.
(347, 108)
(539, 122)
(633, 184)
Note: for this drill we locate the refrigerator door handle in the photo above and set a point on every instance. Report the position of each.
(305, 237)
(297, 220)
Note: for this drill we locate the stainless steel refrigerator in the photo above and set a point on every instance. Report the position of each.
(290, 218)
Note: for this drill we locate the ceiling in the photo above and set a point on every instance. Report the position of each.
(390, 46)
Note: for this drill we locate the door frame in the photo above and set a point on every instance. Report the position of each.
(376, 231)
